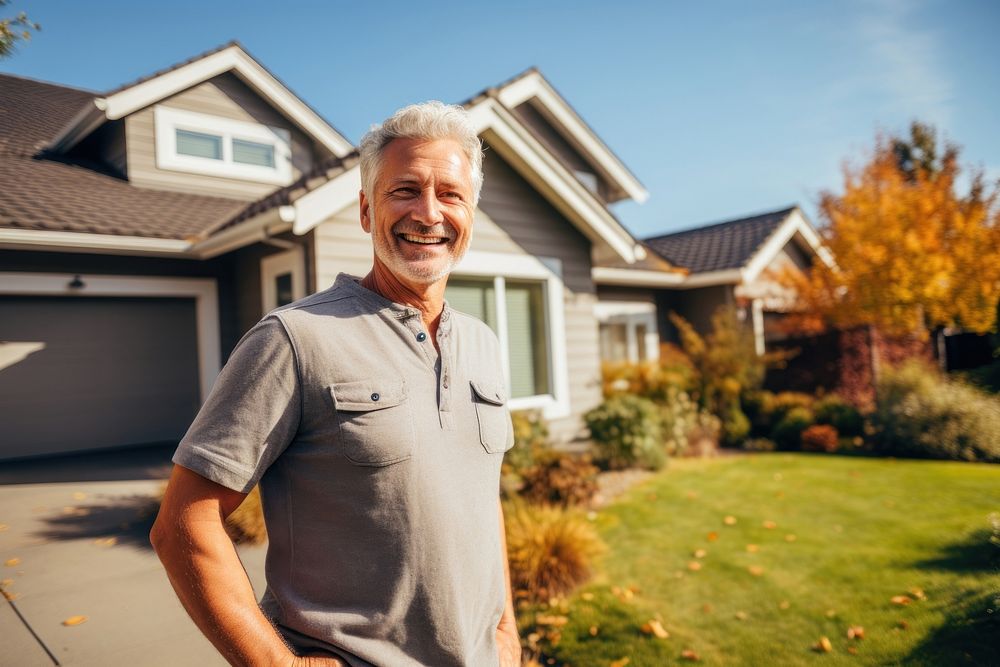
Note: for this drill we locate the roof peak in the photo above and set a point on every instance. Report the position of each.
(787, 210)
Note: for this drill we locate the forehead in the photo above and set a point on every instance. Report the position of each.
(422, 158)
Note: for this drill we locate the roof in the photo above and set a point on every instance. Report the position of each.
(62, 193)
(719, 246)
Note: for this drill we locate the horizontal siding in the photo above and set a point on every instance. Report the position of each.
(341, 246)
(224, 96)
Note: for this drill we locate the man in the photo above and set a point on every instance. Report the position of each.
(374, 419)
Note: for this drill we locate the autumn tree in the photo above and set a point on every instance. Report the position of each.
(13, 30)
(911, 252)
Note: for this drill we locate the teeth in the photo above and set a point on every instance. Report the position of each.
(421, 239)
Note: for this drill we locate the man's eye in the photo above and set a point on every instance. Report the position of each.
(451, 195)
(404, 191)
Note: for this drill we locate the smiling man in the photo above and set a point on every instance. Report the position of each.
(374, 419)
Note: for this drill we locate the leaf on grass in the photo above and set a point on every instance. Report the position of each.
(753, 548)
(12, 562)
(903, 625)
(756, 570)
(75, 620)
(713, 536)
(700, 553)
(855, 632)
(655, 628)
(790, 538)
(594, 630)
(729, 521)
(691, 495)
(707, 608)
(852, 650)
(831, 613)
(918, 594)
(694, 566)
(620, 662)
(901, 600)
(688, 654)
(784, 604)
(741, 616)
(770, 525)
(823, 645)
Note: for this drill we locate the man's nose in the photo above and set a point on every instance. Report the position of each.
(427, 209)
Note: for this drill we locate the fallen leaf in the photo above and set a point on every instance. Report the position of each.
(784, 604)
(655, 628)
(852, 650)
(707, 608)
(770, 525)
(777, 477)
(700, 553)
(901, 600)
(557, 621)
(6, 582)
(779, 494)
(918, 593)
(11, 596)
(790, 538)
(823, 645)
(729, 521)
(855, 632)
(903, 625)
(79, 496)
(106, 541)
(741, 616)
(713, 536)
(831, 613)
(75, 620)
(692, 495)
(755, 570)
(688, 654)
(594, 630)
(3, 527)
(694, 566)
(12, 562)
(621, 662)
(753, 548)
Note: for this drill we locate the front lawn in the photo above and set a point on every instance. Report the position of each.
(752, 560)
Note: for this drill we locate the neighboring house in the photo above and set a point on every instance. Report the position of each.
(144, 230)
(693, 272)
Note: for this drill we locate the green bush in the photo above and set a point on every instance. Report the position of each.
(840, 414)
(531, 440)
(679, 419)
(735, 426)
(787, 434)
(628, 431)
(922, 414)
(759, 445)
(560, 479)
(759, 409)
(786, 401)
(820, 438)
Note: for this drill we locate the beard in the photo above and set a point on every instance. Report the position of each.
(424, 267)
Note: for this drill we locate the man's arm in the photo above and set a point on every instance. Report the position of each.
(508, 642)
(190, 539)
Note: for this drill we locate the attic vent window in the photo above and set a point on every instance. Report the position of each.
(204, 144)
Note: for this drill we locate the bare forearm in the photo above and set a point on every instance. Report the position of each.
(508, 612)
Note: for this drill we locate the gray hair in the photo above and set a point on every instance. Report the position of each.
(428, 120)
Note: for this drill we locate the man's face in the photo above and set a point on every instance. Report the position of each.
(420, 213)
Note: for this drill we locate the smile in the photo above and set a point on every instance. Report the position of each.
(423, 240)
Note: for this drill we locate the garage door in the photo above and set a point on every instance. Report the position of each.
(79, 373)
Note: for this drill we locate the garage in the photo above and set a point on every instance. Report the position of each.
(85, 372)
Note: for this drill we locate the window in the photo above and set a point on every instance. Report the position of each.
(203, 144)
(282, 278)
(627, 330)
(522, 308)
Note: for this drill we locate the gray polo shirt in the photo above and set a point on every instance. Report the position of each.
(379, 464)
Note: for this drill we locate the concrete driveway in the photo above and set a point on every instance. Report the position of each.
(73, 542)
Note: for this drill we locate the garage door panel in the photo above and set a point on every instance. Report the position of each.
(111, 372)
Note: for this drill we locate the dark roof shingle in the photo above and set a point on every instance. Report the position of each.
(719, 246)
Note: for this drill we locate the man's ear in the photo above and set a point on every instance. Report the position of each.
(366, 222)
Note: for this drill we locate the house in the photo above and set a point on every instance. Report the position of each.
(145, 229)
(695, 271)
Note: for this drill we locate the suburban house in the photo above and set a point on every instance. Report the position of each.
(145, 229)
(694, 271)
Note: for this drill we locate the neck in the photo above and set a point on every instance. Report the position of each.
(428, 299)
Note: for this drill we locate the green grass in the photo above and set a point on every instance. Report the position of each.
(865, 530)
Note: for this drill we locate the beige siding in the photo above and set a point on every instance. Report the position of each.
(224, 96)
(512, 218)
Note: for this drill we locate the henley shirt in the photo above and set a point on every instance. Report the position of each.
(378, 461)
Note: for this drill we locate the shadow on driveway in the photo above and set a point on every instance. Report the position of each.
(150, 462)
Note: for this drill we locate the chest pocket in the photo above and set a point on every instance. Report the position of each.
(495, 429)
(375, 421)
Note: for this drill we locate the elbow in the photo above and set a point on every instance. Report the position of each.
(158, 535)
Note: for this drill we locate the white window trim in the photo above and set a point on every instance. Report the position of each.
(632, 314)
(203, 290)
(291, 261)
(547, 270)
(168, 120)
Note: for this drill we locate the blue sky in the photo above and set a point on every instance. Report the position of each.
(720, 108)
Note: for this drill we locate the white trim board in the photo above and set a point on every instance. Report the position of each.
(203, 290)
(232, 58)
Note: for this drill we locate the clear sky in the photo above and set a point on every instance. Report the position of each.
(721, 109)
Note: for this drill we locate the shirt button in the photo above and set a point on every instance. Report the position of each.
(421, 337)
(375, 396)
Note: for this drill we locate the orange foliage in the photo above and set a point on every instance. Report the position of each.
(910, 252)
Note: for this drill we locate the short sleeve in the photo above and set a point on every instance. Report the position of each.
(251, 414)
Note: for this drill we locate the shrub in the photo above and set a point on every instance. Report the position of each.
(840, 414)
(735, 426)
(627, 431)
(758, 406)
(759, 445)
(246, 524)
(654, 380)
(820, 438)
(550, 549)
(531, 440)
(786, 401)
(920, 413)
(679, 418)
(787, 434)
(703, 438)
(560, 479)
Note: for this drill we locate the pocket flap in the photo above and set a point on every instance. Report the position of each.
(366, 395)
(488, 392)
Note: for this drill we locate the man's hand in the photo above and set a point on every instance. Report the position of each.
(508, 644)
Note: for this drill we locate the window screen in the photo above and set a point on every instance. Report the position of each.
(199, 144)
(251, 152)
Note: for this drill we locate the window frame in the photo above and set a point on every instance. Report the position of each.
(291, 261)
(500, 267)
(632, 314)
(168, 120)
